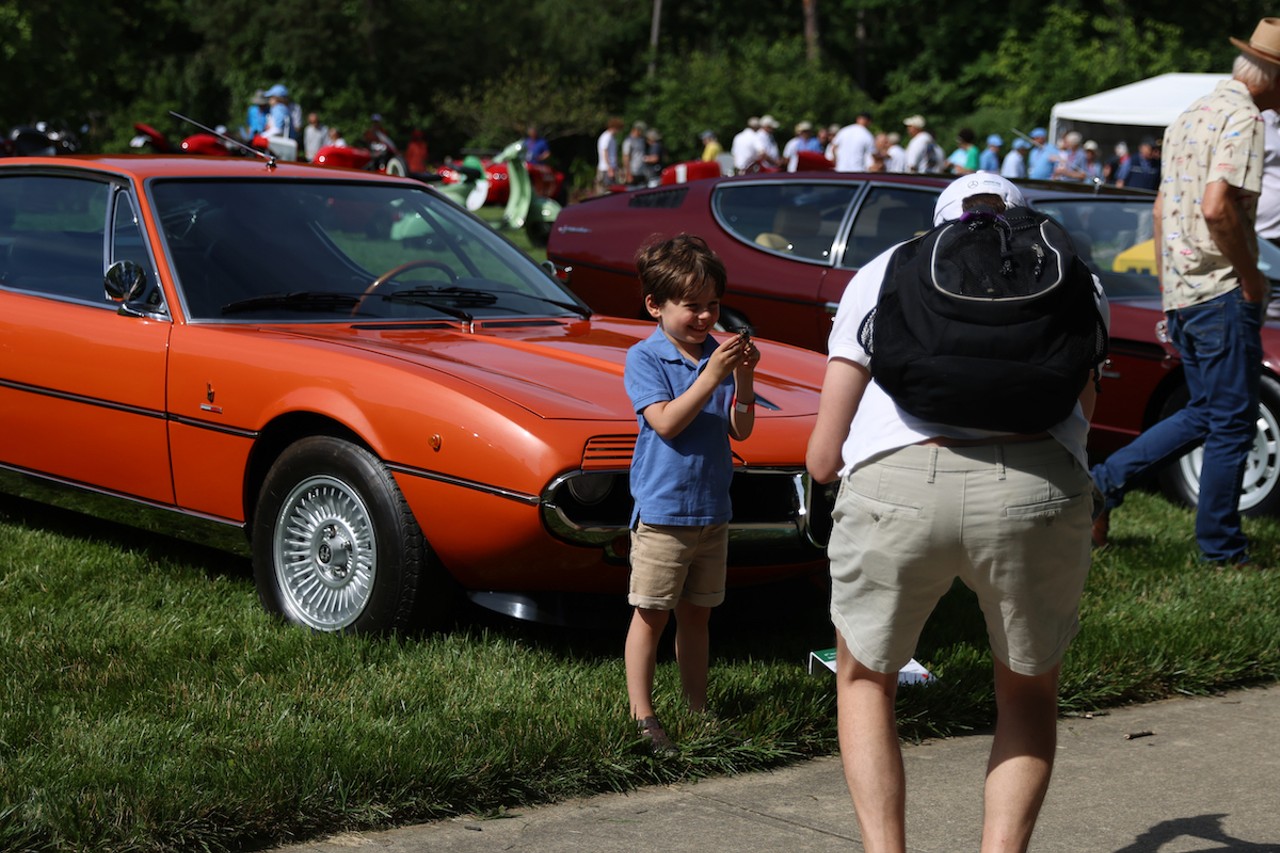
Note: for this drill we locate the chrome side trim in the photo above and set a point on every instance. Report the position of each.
(498, 491)
(80, 398)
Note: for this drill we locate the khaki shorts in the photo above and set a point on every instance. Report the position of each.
(673, 563)
(1010, 520)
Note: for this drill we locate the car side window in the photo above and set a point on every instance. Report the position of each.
(129, 244)
(887, 216)
(800, 220)
(52, 236)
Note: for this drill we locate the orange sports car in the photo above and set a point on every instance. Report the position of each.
(381, 399)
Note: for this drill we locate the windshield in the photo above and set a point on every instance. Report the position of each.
(314, 251)
(1115, 237)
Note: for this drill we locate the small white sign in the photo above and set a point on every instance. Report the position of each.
(912, 673)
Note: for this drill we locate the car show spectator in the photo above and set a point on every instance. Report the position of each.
(770, 156)
(923, 155)
(1214, 296)
(853, 147)
(711, 147)
(1015, 162)
(416, 153)
(607, 171)
(256, 117)
(1042, 156)
(1115, 170)
(279, 116)
(895, 156)
(990, 159)
(692, 394)
(313, 137)
(655, 156)
(633, 150)
(1091, 166)
(921, 503)
(335, 138)
(1144, 169)
(536, 149)
(804, 140)
(746, 148)
(1071, 162)
(964, 160)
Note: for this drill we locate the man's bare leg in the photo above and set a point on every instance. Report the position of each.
(1021, 760)
(870, 752)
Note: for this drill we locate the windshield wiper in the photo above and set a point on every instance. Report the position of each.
(581, 310)
(443, 299)
(299, 300)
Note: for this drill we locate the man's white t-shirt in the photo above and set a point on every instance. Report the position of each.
(919, 150)
(746, 148)
(853, 146)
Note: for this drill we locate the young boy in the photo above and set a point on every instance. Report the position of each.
(691, 395)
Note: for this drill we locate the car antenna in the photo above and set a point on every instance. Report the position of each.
(266, 155)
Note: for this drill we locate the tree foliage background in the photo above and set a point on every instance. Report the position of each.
(474, 73)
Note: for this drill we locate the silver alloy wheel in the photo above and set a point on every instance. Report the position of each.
(1261, 468)
(325, 554)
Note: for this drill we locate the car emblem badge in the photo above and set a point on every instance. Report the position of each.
(435, 441)
(209, 395)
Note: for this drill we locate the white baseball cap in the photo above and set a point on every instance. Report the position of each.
(950, 202)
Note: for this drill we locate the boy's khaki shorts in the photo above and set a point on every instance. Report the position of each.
(1010, 520)
(673, 563)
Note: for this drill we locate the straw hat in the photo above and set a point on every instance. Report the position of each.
(1264, 44)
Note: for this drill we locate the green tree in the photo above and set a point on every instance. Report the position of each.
(720, 90)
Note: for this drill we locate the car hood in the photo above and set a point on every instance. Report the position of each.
(563, 369)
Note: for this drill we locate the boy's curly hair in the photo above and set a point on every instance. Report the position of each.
(679, 268)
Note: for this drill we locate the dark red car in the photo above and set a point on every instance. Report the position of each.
(793, 242)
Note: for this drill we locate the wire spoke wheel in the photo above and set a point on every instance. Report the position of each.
(325, 554)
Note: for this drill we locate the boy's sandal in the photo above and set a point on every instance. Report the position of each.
(656, 737)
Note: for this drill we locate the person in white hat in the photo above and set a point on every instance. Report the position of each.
(746, 148)
(770, 157)
(920, 504)
(1214, 298)
(923, 154)
(804, 140)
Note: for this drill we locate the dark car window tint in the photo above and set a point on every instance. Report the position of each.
(311, 251)
(793, 219)
(1115, 237)
(889, 215)
(51, 236)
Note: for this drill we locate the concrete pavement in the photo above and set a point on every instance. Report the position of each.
(1178, 776)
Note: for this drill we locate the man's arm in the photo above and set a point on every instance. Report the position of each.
(842, 390)
(1234, 237)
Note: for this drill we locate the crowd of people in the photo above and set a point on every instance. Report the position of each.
(638, 158)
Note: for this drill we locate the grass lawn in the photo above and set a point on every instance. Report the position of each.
(149, 704)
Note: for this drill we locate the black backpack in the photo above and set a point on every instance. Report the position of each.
(989, 322)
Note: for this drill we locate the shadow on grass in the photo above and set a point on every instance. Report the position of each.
(156, 545)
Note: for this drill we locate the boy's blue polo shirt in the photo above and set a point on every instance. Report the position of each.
(685, 481)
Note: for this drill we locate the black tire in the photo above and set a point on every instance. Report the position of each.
(1260, 492)
(335, 547)
(538, 232)
(396, 166)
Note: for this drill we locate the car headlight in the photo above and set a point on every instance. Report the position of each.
(590, 489)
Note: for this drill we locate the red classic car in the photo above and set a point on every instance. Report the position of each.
(793, 242)
(350, 378)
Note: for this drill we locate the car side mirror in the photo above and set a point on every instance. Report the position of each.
(125, 281)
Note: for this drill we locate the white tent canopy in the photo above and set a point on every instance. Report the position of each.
(1130, 112)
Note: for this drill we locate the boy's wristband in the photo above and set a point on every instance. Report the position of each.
(740, 406)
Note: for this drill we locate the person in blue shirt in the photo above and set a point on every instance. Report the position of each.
(536, 149)
(1043, 157)
(691, 394)
(990, 159)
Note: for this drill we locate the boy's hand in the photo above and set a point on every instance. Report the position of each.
(729, 356)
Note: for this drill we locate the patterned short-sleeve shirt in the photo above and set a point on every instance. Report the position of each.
(1217, 138)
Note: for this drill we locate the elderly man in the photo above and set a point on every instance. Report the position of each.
(1214, 296)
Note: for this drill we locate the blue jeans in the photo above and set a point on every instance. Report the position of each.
(1221, 348)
